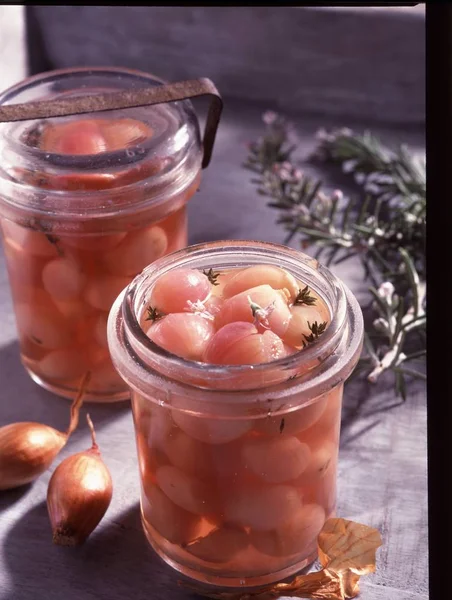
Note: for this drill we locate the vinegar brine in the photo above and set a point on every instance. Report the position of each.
(237, 440)
(257, 506)
(86, 203)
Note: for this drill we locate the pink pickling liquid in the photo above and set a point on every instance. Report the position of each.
(62, 285)
(227, 496)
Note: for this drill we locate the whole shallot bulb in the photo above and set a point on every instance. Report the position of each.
(79, 495)
(28, 449)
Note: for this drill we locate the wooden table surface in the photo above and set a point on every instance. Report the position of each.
(382, 470)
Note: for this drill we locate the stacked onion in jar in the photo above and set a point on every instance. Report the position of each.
(236, 494)
(64, 284)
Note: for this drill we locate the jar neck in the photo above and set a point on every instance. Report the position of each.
(152, 198)
(134, 175)
(325, 362)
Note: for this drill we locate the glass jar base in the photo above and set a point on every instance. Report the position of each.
(215, 581)
(70, 392)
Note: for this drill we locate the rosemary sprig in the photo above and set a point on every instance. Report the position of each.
(212, 276)
(383, 173)
(384, 227)
(304, 297)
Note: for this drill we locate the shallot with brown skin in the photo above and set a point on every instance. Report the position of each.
(28, 449)
(79, 495)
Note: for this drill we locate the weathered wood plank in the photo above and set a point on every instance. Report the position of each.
(366, 63)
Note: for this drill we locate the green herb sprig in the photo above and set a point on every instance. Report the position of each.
(212, 276)
(153, 314)
(384, 225)
(304, 297)
(316, 330)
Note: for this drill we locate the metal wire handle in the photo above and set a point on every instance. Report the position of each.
(168, 92)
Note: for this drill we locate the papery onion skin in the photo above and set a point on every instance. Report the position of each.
(78, 496)
(26, 451)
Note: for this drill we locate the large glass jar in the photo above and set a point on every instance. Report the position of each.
(86, 202)
(238, 463)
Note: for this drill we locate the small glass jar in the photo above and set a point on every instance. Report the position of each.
(238, 463)
(86, 202)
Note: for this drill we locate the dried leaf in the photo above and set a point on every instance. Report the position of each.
(322, 585)
(348, 548)
(346, 551)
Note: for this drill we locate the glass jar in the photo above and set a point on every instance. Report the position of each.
(237, 463)
(86, 202)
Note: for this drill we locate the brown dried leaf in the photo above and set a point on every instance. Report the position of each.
(348, 548)
(346, 551)
(322, 585)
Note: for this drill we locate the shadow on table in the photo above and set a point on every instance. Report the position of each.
(10, 497)
(21, 399)
(366, 405)
(116, 562)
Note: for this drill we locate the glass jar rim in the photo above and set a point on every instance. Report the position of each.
(170, 180)
(132, 350)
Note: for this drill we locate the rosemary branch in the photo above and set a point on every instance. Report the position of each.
(384, 227)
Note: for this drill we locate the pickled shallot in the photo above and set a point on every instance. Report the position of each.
(240, 323)
(66, 272)
(238, 308)
(240, 343)
(186, 335)
(251, 277)
(176, 524)
(175, 289)
(299, 531)
(236, 491)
